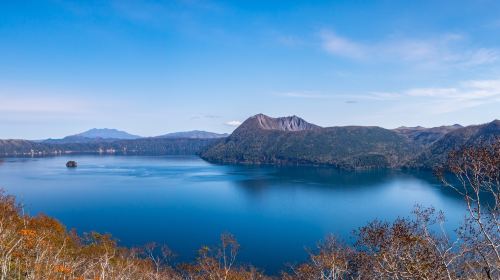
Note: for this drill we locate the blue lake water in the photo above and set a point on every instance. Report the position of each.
(185, 202)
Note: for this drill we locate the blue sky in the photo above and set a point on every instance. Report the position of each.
(152, 67)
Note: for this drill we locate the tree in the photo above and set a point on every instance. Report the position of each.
(476, 177)
(332, 261)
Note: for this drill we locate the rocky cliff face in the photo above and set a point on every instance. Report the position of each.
(292, 123)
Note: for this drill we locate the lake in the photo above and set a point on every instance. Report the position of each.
(185, 202)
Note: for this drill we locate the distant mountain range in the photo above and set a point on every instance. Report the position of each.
(194, 134)
(287, 140)
(97, 135)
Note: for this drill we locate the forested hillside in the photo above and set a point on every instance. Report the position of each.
(141, 146)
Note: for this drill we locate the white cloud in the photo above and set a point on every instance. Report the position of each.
(432, 92)
(341, 46)
(482, 56)
(447, 49)
(483, 84)
(382, 96)
(233, 123)
(439, 100)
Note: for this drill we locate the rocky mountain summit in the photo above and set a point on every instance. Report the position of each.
(292, 123)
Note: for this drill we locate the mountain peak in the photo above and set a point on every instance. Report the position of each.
(106, 133)
(495, 124)
(290, 123)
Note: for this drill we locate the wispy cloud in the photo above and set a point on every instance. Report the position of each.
(233, 123)
(342, 46)
(378, 95)
(438, 100)
(481, 56)
(447, 49)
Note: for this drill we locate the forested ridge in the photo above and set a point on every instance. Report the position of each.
(142, 146)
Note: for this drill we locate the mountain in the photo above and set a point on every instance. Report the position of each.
(194, 134)
(292, 140)
(94, 135)
(473, 135)
(423, 136)
(106, 133)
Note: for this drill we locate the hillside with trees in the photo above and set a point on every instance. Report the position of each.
(470, 136)
(141, 146)
(291, 140)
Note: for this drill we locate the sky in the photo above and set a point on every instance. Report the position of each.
(153, 67)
